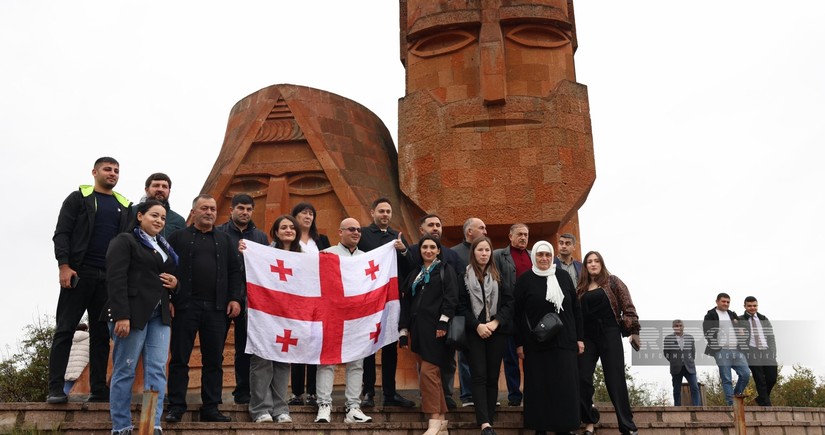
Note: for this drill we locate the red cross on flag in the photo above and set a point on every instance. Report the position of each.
(320, 308)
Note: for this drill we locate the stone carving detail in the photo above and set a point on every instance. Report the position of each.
(493, 123)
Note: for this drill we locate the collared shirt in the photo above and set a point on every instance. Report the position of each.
(570, 269)
(521, 259)
(309, 247)
(154, 242)
(680, 340)
(757, 331)
(343, 251)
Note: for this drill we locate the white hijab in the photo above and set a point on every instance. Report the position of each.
(554, 293)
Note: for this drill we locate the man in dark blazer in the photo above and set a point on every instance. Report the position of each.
(506, 260)
(761, 350)
(680, 350)
(210, 291)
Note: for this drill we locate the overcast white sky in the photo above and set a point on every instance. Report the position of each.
(707, 122)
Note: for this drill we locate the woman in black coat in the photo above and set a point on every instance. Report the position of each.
(139, 266)
(551, 387)
(429, 299)
(487, 306)
(313, 242)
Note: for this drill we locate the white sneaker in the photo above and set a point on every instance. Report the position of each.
(284, 418)
(324, 411)
(263, 418)
(354, 415)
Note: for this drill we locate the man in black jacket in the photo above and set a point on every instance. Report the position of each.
(761, 353)
(210, 290)
(240, 226)
(373, 236)
(725, 337)
(89, 218)
(159, 186)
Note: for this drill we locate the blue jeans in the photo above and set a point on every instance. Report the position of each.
(153, 343)
(728, 359)
(694, 388)
(512, 372)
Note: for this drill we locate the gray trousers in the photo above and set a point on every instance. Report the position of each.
(267, 387)
(325, 377)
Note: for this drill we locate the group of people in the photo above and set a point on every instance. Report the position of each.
(152, 284)
(502, 294)
(743, 344)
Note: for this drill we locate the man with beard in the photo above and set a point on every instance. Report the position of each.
(159, 186)
(89, 218)
(240, 226)
(377, 234)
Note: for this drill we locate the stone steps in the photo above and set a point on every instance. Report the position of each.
(93, 418)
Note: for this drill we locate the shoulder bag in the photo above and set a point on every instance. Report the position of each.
(548, 327)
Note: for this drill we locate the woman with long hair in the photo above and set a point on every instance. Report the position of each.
(551, 389)
(139, 267)
(608, 314)
(303, 375)
(487, 306)
(429, 300)
(268, 379)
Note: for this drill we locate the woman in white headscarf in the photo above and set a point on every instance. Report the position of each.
(551, 388)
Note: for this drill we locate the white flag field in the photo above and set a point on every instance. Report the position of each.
(320, 308)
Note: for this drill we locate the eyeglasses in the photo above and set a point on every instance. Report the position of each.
(352, 229)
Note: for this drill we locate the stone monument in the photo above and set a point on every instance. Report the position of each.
(493, 123)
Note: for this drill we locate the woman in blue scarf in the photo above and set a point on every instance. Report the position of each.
(428, 300)
(139, 267)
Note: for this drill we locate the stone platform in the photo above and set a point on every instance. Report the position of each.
(93, 418)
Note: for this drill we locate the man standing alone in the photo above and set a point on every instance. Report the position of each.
(680, 350)
(89, 218)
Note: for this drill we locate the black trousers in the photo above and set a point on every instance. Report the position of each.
(389, 362)
(241, 391)
(209, 324)
(301, 375)
(606, 344)
(89, 295)
(485, 357)
(764, 376)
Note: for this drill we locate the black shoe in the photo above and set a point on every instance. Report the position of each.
(242, 401)
(215, 416)
(369, 401)
(450, 403)
(488, 431)
(295, 401)
(398, 400)
(312, 400)
(514, 403)
(57, 398)
(174, 415)
(587, 432)
(98, 398)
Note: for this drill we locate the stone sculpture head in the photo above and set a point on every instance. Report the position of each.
(287, 144)
(493, 123)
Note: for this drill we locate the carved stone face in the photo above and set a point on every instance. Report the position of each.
(287, 144)
(493, 124)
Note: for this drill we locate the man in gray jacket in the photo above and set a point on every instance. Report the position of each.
(680, 349)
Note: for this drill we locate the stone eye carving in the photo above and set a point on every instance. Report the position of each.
(441, 43)
(533, 35)
(309, 184)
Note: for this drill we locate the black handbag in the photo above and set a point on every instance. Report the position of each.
(456, 334)
(548, 327)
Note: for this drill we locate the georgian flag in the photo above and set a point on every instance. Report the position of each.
(320, 308)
